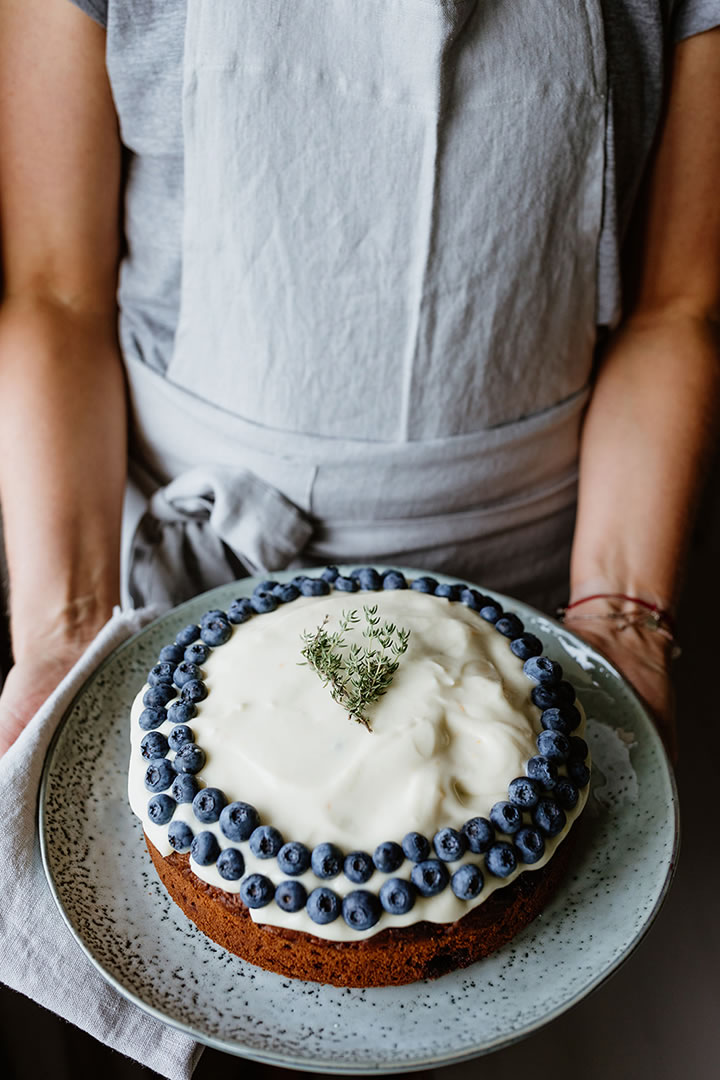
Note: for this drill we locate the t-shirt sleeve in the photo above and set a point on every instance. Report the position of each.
(96, 9)
(694, 17)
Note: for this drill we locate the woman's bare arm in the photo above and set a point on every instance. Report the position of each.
(651, 424)
(62, 404)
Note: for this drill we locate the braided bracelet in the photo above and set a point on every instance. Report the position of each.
(651, 616)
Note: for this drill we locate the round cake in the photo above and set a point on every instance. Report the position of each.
(358, 778)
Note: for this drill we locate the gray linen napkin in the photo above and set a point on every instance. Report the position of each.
(38, 954)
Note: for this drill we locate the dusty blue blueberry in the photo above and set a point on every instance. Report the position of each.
(524, 792)
(230, 864)
(578, 772)
(186, 672)
(549, 817)
(189, 759)
(218, 631)
(266, 841)
(547, 695)
(388, 856)
(188, 634)
(506, 817)
(330, 573)
(158, 695)
(298, 580)
(368, 578)
(543, 770)
(264, 602)
(361, 909)
(314, 587)
(239, 820)
(240, 610)
(266, 586)
(424, 584)
(256, 890)
(346, 584)
(154, 745)
(416, 846)
(526, 645)
(509, 625)
(323, 905)
(397, 896)
(473, 599)
(152, 717)
(161, 673)
(530, 844)
(194, 691)
(467, 881)
(393, 579)
(208, 804)
(291, 896)
(358, 867)
(159, 775)
(180, 735)
(541, 669)
(429, 877)
(204, 848)
(491, 612)
(286, 593)
(479, 834)
(449, 844)
(578, 748)
(448, 591)
(566, 793)
(210, 616)
(326, 861)
(160, 809)
(501, 859)
(173, 654)
(293, 858)
(180, 835)
(197, 653)
(562, 718)
(184, 788)
(553, 745)
(180, 712)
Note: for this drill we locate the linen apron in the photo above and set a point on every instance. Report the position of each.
(387, 320)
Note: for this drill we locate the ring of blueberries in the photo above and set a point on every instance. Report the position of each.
(543, 795)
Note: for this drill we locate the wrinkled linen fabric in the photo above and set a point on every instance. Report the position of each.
(39, 956)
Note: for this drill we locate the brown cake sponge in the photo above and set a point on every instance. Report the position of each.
(391, 957)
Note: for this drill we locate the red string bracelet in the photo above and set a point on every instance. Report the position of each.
(658, 618)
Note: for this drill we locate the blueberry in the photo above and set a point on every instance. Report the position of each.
(549, 817)
(530, 844)
(393, 579)
(286, 593)
(298, 580)
(578, 772)
(231, 864)
(323, 906)
(491, 612)
(553, 745)
(197, 653)
(547, 695)
(563, 718)
(314, 587)
(173, 654)
(184, 788)
(566, 793)
(578, 747)
(346, 584)
(240, 610)
(161, 673)
(361, 909)
(449, 844)
(194, 691)
(265, 841)
(358, 867)
(293, 858)
(160, 809)
(526, 645)
(330, 574)
(210, 616)
(397, 896)
(509, 626)
(326, 861)
(180, 835)
(189, 759)
(186, 672)
(544, 771)
(368, 578)
(262, 603)
(524, 792)
(154, 745)
(467, 881)
(541, 669)
(217, 631)
(506, 817)
(450, 592)
(501, 859)
(256, 891)
(474, 599)
(188, 634)
(264, 587)
(159, 775)
(157, 696)
(208, 805)
(152, 717)
(204, 848)
(180, 712)
(388, 856)
(416, 846)
(424, 584)
(291, 896)
(479, 834)
(429, 877)
(180, 735)
(239, 820)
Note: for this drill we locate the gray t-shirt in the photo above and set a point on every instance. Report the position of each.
(145, 47)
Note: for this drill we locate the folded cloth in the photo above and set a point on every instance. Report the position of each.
(38, 954)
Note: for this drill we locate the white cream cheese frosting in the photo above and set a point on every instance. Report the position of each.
(455, 727)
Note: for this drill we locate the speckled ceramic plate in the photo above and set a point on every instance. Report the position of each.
(107, 891)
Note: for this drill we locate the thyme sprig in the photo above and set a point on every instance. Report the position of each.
(357, 674)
